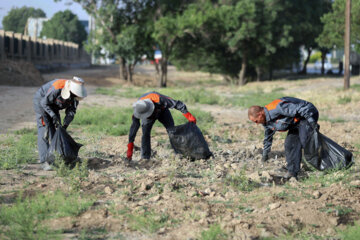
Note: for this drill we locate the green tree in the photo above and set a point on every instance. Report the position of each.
(334, 26)
(122, 29)
(64, 26)
(16, 19)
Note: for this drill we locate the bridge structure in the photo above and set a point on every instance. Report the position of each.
(43, 53)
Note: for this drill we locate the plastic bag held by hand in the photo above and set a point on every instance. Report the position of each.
(64, 145)
(188, 140)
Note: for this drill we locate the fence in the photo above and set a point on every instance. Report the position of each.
(42, 52)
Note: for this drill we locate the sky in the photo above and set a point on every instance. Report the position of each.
(50, 7)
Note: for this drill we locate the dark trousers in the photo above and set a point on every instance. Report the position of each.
(294, 143)
(46, 130)
(167, 121)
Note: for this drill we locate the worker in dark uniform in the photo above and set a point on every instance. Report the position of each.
(48, 100)
(297, 116)
(150, 107)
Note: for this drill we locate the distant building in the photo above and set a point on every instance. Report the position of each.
(34, 26)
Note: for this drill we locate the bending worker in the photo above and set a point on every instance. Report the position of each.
(297, 116)
(48, 100)
(150, 107)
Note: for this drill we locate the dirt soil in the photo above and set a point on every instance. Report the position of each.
(196, 194)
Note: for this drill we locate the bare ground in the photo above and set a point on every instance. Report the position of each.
(195, 195)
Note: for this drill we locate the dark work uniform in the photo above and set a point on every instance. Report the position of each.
(161, 112)
(293, 115)
(47, 103)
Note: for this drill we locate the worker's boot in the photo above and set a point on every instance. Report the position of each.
(46, 166)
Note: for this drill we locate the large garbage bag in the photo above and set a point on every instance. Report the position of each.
(323, 153)
(188, 140)
(63, 144)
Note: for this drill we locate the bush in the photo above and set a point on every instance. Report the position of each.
(314, 57)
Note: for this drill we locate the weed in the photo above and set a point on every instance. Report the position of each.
(339, 211)
(19, 149)
(240, 182)
(214, 233)
(72, 176)
(24, 219)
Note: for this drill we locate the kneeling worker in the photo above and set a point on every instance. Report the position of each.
(150, 107)
(297, 116)
(48, 100)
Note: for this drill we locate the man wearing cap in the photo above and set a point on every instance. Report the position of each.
(297, 116)
(48, 100)
(150, 107)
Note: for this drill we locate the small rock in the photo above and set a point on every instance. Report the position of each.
(334, 221)
(266, 175)
(212, 194)
(121, 179)
(155, 198)
(42, 185)
(108, 190)
(317, 194)
(234, 166)
(162, 230)
(246, 225)
(274, 206)
(254, 176)
(355, 183)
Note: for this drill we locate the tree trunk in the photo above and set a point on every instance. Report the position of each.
(130, 73)
(304, 70)
(258, 73)
(122, 69)
(242, 80)
(163, 75)
(323, 56)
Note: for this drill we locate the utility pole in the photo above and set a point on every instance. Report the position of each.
(347, 45)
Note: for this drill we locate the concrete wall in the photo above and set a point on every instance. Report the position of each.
(47, 53)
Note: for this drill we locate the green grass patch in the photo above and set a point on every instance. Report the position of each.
(149, 221)
(18, 149)
(117, 121)
(214, 233)
(344, 100)
(26, 218)
(249, 99)
(326, 178)
(240, 182)
(186, 95)
(351, 232)
(332, 120)
(355, 87)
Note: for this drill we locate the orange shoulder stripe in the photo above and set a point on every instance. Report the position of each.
(153, 97)
(59, 84)
(273, 104)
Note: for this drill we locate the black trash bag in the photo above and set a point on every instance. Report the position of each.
(324, 154)
(64, 145)
(188, 140)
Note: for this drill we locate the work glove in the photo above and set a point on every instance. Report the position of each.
(56, 121)
(130, 150)
(265, 156)
(190, 117)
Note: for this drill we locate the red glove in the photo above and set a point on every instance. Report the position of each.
(130, 150)
(190, 117)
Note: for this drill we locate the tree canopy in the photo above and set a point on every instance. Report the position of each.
(64, 26)
(16, 19)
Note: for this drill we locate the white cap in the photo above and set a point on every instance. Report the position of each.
(143, 108)
(75, 86)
